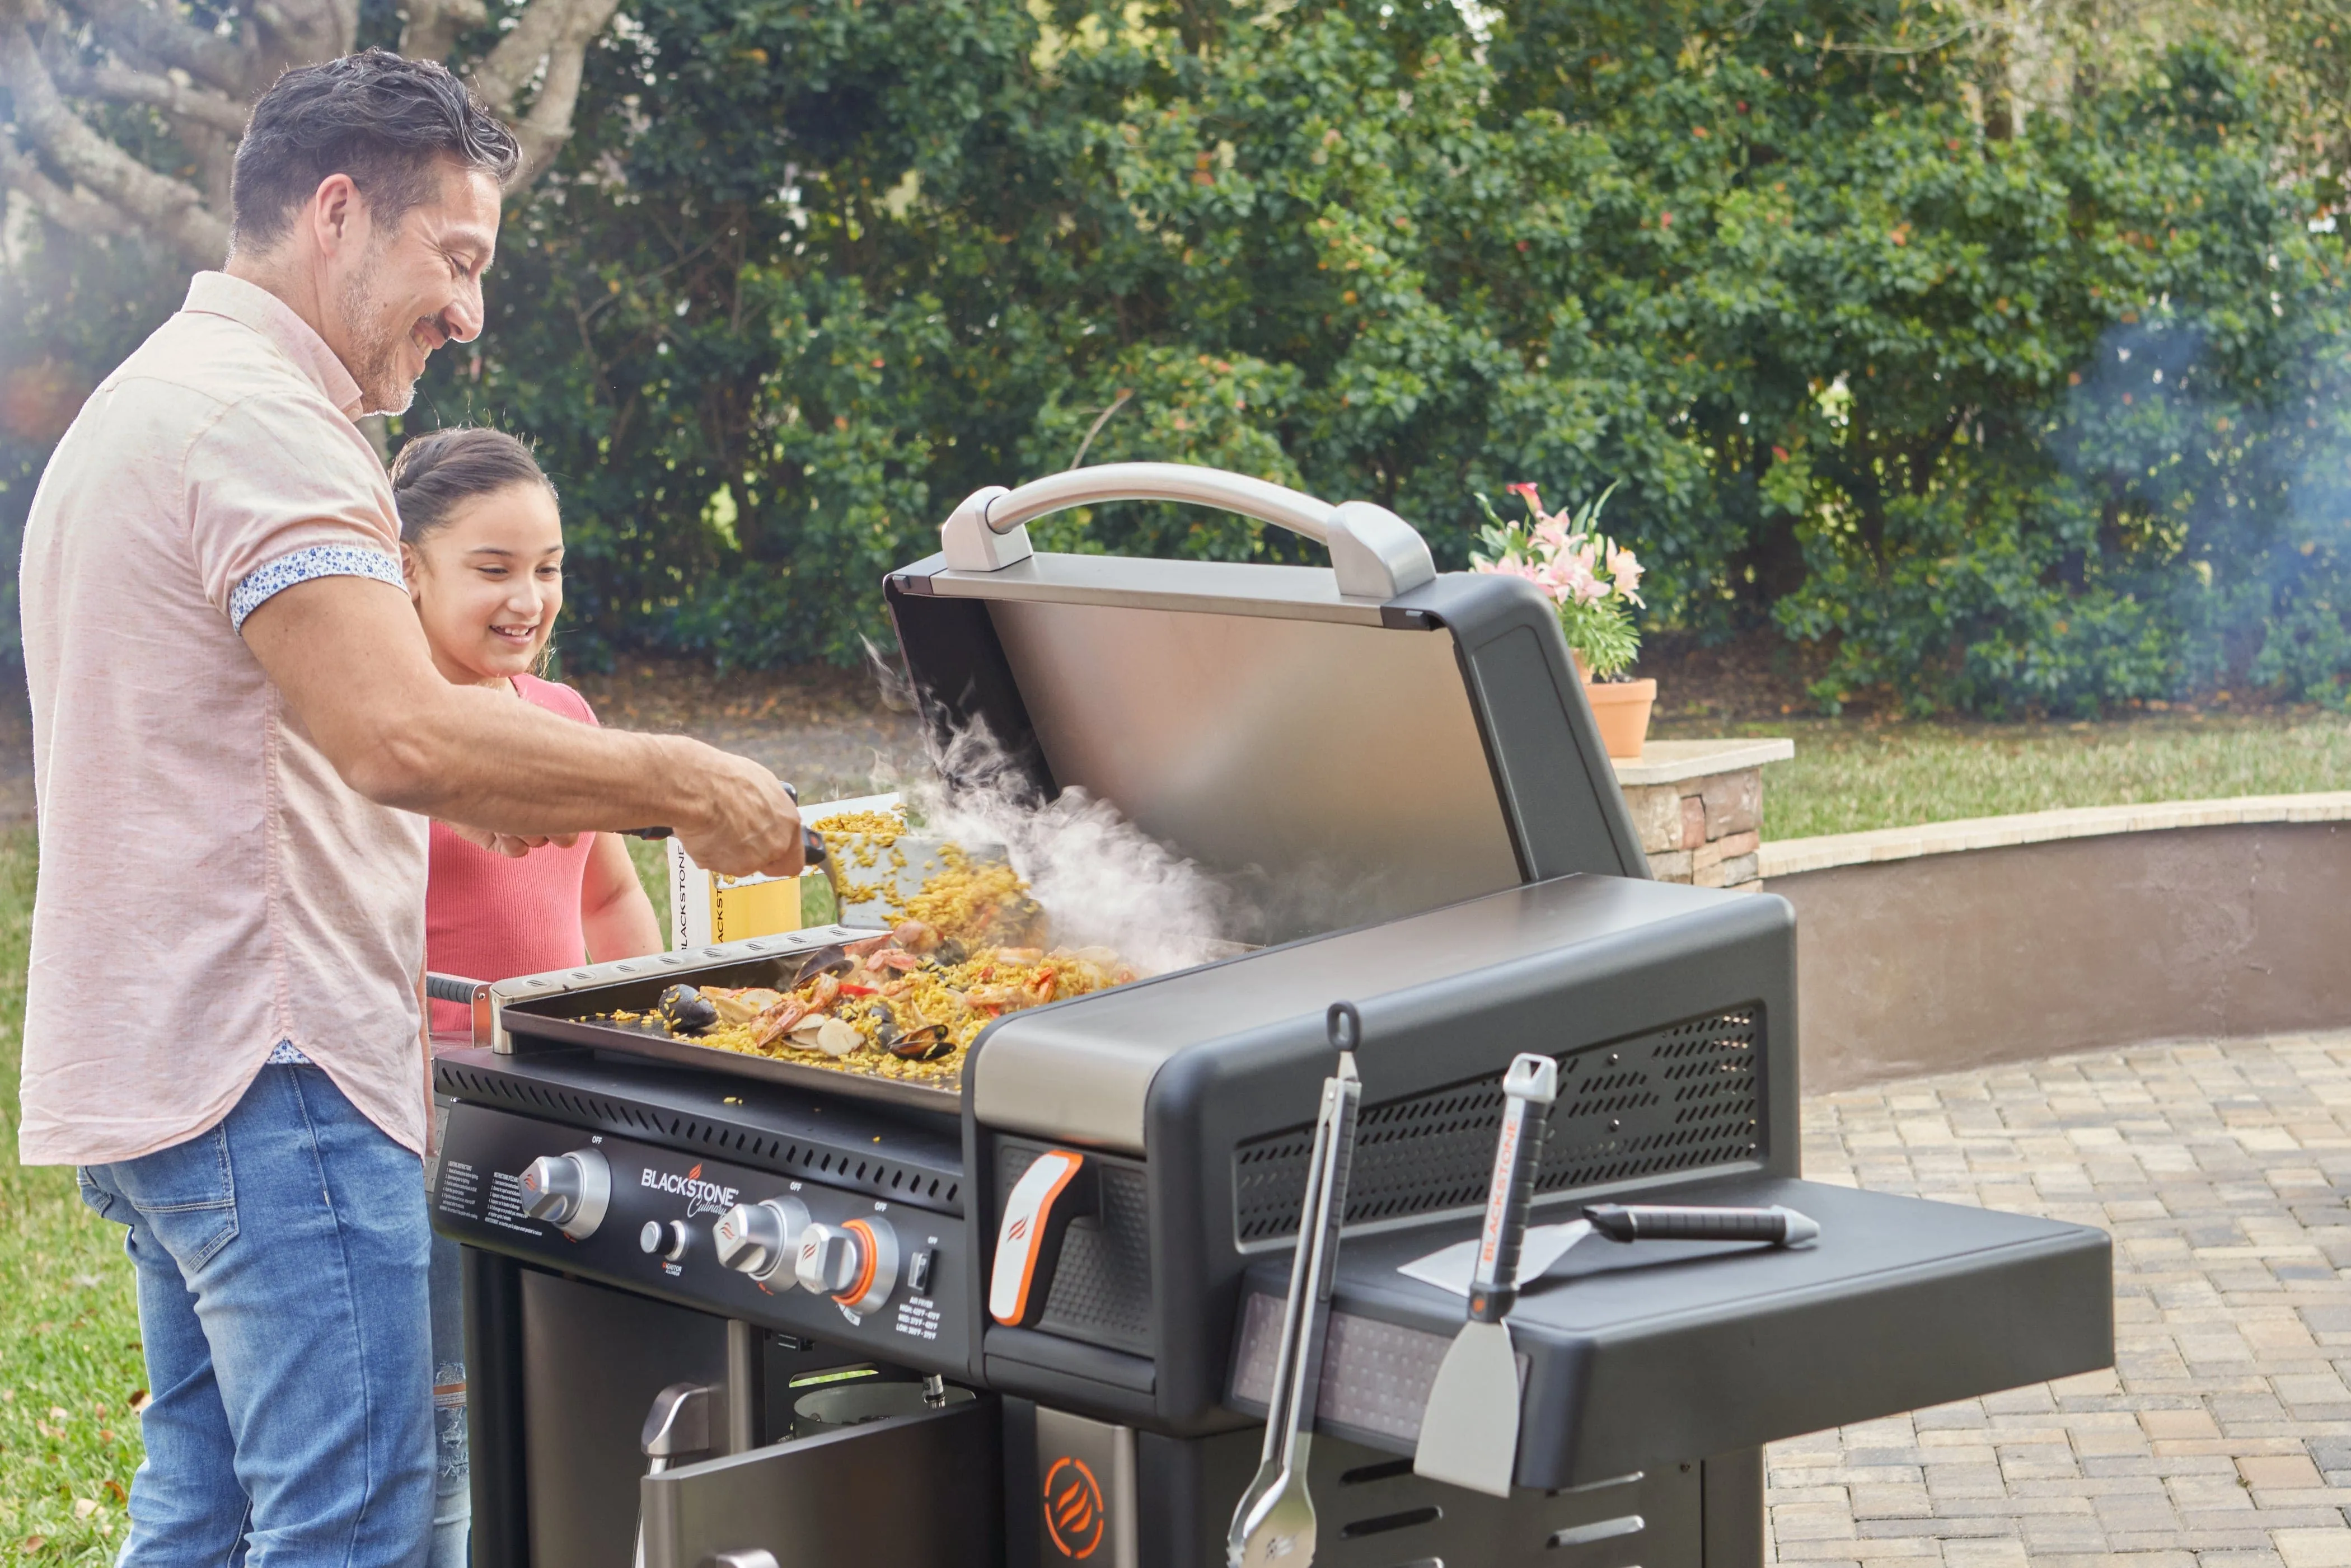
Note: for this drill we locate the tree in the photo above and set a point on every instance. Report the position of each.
(124, 115)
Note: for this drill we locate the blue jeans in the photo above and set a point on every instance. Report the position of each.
(281, 1264)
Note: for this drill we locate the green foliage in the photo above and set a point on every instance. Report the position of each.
(1851, 347)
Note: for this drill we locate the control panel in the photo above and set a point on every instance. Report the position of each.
(843, 1266)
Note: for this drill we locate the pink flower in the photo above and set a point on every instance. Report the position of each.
(1624, 570)
(1552, 531)
(1533, 501)
(1569, 576)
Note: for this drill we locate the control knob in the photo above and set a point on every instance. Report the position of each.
(668, 1240)
(855, 1263)
(572, 1191)
(758, 1239)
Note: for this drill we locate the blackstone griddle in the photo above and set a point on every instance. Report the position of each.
(1397, 770)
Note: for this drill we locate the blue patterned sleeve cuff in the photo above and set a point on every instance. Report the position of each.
(275, 576)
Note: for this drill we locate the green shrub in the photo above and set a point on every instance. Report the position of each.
(1853, 352)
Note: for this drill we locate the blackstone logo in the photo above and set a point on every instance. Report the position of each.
(701, 1196)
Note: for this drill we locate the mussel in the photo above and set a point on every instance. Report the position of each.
(833, 959)
(924, 1042)
(686, 1010)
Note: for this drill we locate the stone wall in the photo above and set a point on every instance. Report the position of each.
(1698, 808)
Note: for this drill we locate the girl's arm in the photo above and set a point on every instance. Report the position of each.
(613, 909)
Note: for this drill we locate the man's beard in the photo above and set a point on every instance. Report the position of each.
(376, 346)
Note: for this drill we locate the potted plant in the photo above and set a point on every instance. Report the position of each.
(1593, 582)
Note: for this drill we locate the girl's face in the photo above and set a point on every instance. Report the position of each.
(488, 583)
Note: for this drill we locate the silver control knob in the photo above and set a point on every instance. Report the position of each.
(855, 1262)
(665, 1241)
(572, 1191)
(758, 1239)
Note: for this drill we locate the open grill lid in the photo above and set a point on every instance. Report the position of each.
(1362, 742)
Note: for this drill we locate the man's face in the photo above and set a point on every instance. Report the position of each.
(408, 289)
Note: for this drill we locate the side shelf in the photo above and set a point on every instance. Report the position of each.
(1658, 1352)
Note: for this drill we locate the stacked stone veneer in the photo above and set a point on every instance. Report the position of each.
(1698, 808)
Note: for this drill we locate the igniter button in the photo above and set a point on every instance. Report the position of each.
(665, 1241)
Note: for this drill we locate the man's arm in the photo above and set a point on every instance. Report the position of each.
(349, 657)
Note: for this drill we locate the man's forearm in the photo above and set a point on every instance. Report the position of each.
(350, 660)
(477, 756)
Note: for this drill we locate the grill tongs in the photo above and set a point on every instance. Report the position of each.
(1275, 1521)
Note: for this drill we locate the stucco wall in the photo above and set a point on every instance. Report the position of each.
(1952, 960)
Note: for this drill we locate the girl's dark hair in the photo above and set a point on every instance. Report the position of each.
(436, 473)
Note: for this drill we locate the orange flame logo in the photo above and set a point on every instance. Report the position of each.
(1074, 1516)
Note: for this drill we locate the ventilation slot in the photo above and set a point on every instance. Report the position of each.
(1686, 1099)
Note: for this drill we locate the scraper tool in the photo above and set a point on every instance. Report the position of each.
(1469, 1431)
(1275, 1521)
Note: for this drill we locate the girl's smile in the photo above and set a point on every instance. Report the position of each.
(488, 583)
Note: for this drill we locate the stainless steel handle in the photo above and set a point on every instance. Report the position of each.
(1375, 552)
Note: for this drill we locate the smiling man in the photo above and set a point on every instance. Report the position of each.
(235, 715)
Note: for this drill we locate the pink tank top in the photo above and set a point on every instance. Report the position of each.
(489, 917)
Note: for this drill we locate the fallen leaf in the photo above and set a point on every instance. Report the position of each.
(114, 1489)
(7, 1395)
(32, 1544)
(84, 1507)
(57, 1413)
(139, 1401)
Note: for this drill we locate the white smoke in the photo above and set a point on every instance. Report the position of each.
(1102, 880)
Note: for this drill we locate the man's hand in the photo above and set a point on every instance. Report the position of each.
(751, 825)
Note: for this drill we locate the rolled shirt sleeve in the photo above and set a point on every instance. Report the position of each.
(279, 495)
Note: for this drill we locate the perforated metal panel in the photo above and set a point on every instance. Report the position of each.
(1101, 1289)
(1684, 1098)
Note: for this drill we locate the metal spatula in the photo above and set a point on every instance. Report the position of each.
(1274, 1524)
(1469, 1431)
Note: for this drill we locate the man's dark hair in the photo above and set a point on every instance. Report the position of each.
(436, 473)
(388, 122)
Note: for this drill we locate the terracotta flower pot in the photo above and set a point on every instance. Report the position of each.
(1621, 709)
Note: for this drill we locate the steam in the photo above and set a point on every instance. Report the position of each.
(1102, 880)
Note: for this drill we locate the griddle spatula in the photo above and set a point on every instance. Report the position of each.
(1274, 1524)
(1469, 1430)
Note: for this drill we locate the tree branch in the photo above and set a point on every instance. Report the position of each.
(75, 210)
(166, 207)
(151, 32)
(507, 70)
(200, 105)
(433, 26)
(549, 124)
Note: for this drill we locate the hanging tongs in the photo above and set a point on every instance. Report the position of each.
(1275, 1521)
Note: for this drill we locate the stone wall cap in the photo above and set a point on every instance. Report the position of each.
(1788, 857)
(1673, 762)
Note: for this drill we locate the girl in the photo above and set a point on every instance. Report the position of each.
(482, 548)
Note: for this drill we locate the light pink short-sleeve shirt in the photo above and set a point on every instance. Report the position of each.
(210, 890)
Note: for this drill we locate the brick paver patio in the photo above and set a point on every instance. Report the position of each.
(2223, 1437)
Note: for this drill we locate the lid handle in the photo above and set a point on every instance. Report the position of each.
(1375, 553)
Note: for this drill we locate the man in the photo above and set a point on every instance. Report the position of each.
(235, 717)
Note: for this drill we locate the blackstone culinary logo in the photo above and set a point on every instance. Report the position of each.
(701, 1196)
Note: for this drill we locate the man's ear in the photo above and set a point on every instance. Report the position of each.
(412, 565)
(338, 214)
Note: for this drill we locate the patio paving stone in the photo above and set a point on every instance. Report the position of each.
(2221, 1439)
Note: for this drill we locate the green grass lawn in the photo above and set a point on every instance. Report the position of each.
(70, 1375)
(1850, 774)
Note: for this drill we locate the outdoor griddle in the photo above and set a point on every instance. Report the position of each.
(1397, 773)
